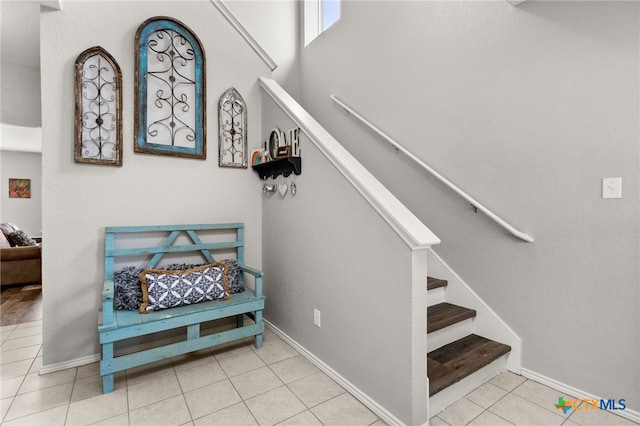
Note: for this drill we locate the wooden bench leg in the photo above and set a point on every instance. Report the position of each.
(107, 383)
(107, 379)
(239, 320)
(258, 320)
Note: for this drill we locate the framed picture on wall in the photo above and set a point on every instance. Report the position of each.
(98, 119)
(232, 125)
(19, 188)
(169, 90)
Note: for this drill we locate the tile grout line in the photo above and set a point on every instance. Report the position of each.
(307, 408)
(500, 399)
(509, 392)
(503, 397)
(283, 385)
(66, 414)
(181, 393)
(24, 377)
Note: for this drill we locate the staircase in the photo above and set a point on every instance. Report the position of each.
(458, 361)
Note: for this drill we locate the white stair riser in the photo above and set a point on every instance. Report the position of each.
(444, 336)
(457, 391)
(435, 296)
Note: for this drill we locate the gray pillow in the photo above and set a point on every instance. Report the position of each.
(21, 239)
(128, 290)
(233, 276)
(128, 293)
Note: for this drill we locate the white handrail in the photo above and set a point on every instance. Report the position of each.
(397, 215)
(448, 183)
(242, 30)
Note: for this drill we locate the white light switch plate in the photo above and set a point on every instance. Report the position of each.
(612, 187)
(316, 318)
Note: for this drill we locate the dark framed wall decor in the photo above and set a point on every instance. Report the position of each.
(232, 125)
(98, 109)
(170, 90)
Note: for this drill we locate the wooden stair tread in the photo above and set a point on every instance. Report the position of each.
(433, 283)
(457, 360)
(445, 314)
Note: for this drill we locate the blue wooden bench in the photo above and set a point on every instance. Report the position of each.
(117, 325)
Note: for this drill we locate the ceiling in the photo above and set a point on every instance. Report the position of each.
(20, 30)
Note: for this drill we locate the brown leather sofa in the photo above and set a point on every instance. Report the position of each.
(19, 264)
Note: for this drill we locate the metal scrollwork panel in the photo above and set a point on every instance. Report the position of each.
(98, 118)
(232, 124)
(170, 90)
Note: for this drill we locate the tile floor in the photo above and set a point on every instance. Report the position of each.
(509, 399)
(229, 385)
(237, 385)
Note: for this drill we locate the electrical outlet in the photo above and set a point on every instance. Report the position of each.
(316, 318)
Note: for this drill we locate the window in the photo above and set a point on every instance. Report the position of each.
(329, 13)
(319, 15)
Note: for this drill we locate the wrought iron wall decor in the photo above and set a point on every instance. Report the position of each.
(232, 125)
(98, 115)
(170, 90)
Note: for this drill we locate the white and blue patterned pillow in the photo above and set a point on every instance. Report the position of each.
(164, 289)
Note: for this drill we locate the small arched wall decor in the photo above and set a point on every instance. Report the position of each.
(232, 125)
(170, 90)
(98, 115)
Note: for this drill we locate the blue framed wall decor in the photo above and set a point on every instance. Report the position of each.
(170, 93)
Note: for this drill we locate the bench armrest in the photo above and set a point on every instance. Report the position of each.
(257, 275)
(108, 302)
(108, 290)
(253, 271)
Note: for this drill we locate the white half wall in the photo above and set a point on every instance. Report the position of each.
(20, 138)
(326, 248)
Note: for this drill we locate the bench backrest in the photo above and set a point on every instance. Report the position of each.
(170, 239)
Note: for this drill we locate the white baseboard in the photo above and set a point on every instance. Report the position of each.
(371, 404)
(51, 368)
(578, 393)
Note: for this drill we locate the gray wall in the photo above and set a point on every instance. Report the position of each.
(20, 106)
(326, 248)
(526, 109)
(20, 95)
(24, 212)
(275, 25)
(79, 200)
